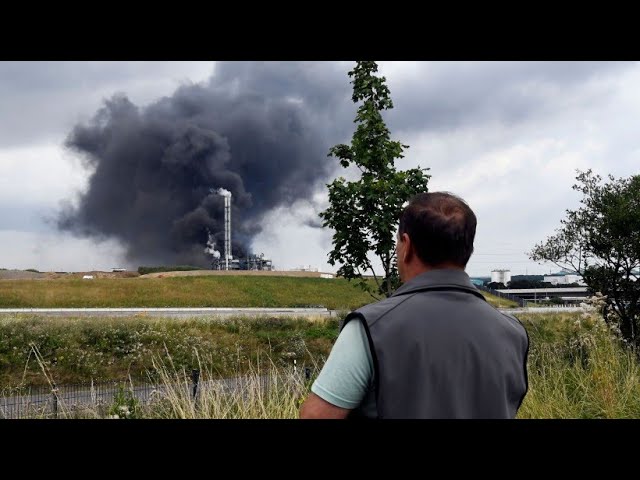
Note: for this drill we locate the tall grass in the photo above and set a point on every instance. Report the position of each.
(261, 393)
(79, 350)
(579, 368)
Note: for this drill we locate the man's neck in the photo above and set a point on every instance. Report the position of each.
(420, 268)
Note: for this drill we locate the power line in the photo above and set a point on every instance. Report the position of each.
(501, 261)
(503, 254)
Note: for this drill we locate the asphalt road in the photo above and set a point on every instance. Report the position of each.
(542, 310)
(219, 312)
(170, 312)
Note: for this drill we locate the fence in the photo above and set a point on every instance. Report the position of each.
(50, 402)
(520, 301)
(74, 399)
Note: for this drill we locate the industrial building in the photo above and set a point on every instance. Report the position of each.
(563, 279)
(226, 260)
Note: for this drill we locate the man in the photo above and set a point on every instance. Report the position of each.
(435, 348)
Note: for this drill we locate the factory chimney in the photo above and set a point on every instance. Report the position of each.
(227, 226)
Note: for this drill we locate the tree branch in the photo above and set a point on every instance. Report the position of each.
(375, 277)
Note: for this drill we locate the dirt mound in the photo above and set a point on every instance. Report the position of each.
(21, 275)
(27, 275)
(99, 274)
(257, 273)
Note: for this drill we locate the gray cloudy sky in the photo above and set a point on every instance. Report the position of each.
(506, 136)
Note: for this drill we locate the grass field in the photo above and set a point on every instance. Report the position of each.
(205, 291)
(84, 349)
(577, 368)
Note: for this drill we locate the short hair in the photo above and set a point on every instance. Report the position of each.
(441, 227)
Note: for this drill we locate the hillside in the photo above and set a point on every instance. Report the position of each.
(188, 291)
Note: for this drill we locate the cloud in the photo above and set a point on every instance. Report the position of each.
(41, 101)
(507, 136)
(441, 96)
(47, 251)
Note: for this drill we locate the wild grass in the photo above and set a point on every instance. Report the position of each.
(84, 349)
(261, 392)
(579, 368)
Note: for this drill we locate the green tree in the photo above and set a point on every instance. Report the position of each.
(601, 241)
(364, 213)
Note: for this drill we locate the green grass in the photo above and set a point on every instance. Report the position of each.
(282, 398)
(499, 302)
(203, 291)
(578, 369)
(270, 392)
(84, 349)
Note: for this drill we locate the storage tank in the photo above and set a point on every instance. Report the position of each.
(501, 276)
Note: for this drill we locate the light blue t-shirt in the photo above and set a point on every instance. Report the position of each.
(346, 379)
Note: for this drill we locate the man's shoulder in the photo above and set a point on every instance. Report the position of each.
(375, 310)
(515, 321)
(385, 303)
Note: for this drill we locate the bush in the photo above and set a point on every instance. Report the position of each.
(125, 404)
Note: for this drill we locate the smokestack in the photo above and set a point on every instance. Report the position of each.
(227, 226)
(227, 230)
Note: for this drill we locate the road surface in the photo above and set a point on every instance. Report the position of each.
(221, 312)
(170, 312)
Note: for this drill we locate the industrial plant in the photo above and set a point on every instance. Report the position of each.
(226, 261)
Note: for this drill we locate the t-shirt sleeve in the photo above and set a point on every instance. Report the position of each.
(346, 376)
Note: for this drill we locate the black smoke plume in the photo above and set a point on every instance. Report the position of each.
(259, 130)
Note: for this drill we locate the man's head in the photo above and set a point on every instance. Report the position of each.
(436, 231)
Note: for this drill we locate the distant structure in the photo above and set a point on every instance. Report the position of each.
(227, 226)
(305, 268)
(252, 262)
(564, 279)
(226, 261)
(501, 276)
(479, 281)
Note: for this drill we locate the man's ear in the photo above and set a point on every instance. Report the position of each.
(407, 251)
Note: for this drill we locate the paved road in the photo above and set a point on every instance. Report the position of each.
(542, 310)
(221, 312)
(170, 312)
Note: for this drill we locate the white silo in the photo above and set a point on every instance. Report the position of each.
(501, 276)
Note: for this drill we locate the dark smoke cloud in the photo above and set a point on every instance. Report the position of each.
(261, 131)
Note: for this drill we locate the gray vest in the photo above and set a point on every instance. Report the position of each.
(441, 351)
